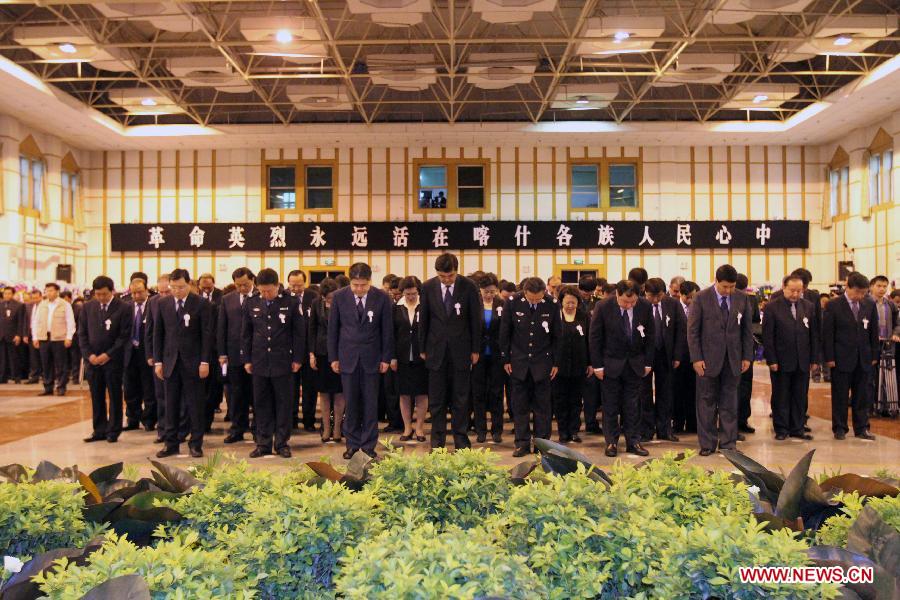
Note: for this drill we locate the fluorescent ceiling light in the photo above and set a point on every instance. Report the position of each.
(621, 35)
(582, 100)
(148, 102)
(843, 40)
(68, 48)
(283, 36)
(760, 98)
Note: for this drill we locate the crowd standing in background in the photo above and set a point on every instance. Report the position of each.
(463, 353)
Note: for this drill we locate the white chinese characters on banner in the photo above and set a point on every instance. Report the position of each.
(277, 236)
(440, 237)
(763, 233)
(360, 237)
(236, 237)
(401, 237)
(156, 237)
(481, 234)
(723, 236)
(564, 235)
(196, 236)
(646, 239)
(522, 234)
(606, 235)
(683, 234)
(317, 237)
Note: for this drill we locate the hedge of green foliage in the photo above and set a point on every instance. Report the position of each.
(432, 526)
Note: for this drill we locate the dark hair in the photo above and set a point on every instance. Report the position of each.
(487, 280)
(10, 288)
(446, 263)
(894, 294)
(139, 275)
(207, 276)
(639, 275)
(628, 287)
(655, 286)
(569, 290)
(267, 277)
(857, 281)
(804, 275)
(742, 282)
(394, 283)
(878, 278)
(67, 294)
(602, 282)
(789, 278)
(164, 277)
(102, 281)
(360, 270)
(476, 275)
(180, 274)
(228, 289)
(242, 272)
(609, 288)
(828, 296)
(53, 285)
(727, 273)
(554, 277)
(587, 283)
(677, 279)
(327, 286)
(508, 286)
(389, 278)
(342, 280)
(533, 285)
(296, 272)
(143, 282)
(410, 281)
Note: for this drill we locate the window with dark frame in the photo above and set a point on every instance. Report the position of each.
(470, 186)
(604, 184)
(319, 187)
(282, 187)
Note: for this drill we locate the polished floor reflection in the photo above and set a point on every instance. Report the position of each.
(51, 428)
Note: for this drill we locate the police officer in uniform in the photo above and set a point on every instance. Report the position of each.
(273, 344)
(530, 332)
(12, 316)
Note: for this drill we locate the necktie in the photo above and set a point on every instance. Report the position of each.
(180, 309)
(448, 299)
(360, 309)
(102, 310)
(626, 325)
(533, 307)
(855, 307)
(725, 308)
(794, 310)
(138, 322)
(242, 299)
(659, 325)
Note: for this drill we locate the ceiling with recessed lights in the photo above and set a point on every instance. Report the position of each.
(366, 61)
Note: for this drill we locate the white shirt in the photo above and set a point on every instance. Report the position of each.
(51, 307)
(444, 289)
(357, 299)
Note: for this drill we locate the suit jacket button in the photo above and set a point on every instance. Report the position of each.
(268, 349)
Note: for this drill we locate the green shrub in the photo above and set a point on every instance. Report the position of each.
(835, 530)
(41, 516)
(418, 560)
(177, 569)
(295, 538)
(461, 488)
(687, 492)
(703, 561)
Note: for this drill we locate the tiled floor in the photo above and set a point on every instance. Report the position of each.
(34, 428)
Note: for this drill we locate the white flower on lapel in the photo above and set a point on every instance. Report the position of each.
(108, 324)
(417, 316)
(546, 326)
(187, 320)
(668, 320)
(308, 311)
(865, 323)
(739, 315)
(640, 329)
(580, 330)
(457, 306)
(806, 322)
(8, 313)
(499, 311)
(11, 564)
(283, 318)
(371, 314)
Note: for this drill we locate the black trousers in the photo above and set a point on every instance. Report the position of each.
(54, 364)
(622, 397)
(389, 400)
(530, 396)
(684, 399)
(106, 379)
(656, 401)
(488, 378)
(213, 389)
(717, 409)
(789, 401)
(308, 394)
(9, 360)
(448, 385)
(361, 412)
(35, 362)
(273, 410)
(593, 399)
(745, 390)
(850, 389)
(140, 395)
(240, 398)
(184, 393)
(567, 392)
(74, 352)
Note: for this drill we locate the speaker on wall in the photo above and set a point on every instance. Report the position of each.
(64, 273)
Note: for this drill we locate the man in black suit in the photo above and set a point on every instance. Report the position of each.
(208, 290)
(851, 350)
(684, 401)
(182, 339)
(159, 385)
(587, 287)
(273, 344)
(31, 355)
(669, 343)
(745, 387)
(140, 401)
(73, 370)
(214, 385)
(12, 315)
(791, 346)
(360, 347)
(721, 345)
(228, 342)
(304, 381)
(530, 333)
(104, 329)
(450, 320)
(622, 348)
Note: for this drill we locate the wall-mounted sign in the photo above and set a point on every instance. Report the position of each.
(465, 235)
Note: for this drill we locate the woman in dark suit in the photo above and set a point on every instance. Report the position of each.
(412, 376)
(488, 377)
(328, 383)
(574, 369)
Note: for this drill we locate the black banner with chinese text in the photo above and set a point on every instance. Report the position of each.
(464, 235)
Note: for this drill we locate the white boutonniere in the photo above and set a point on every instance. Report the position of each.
(371, 314)
(520, 314)
(668, 320)
(580, 330)
(283, 318)
(457, 306)
(11, 564)
(546, 326)
(499, 311)
(417, 316)
(640, 329)
(187, 320)
(8, 313)
(739, 315)
(865, 323)
(806, 322)
(308, 312)
(108, 324)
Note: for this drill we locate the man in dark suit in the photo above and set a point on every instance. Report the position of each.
(73, 371)
(31, 355)
(182, 339)
(587, 287)
(530, 333)
(450, 335)
(159, 385)
(12, 315)
(104, 329)
(208, 290)
(720, 339)
(622, 348)
(888, 334)
(684, 397)
(851, 350)
(228, 342)
(360, 347)
(140, 401)
(214, 385)
(273, 344)
(745, 386)
(791, 346)
(669, 342)
(304, 381)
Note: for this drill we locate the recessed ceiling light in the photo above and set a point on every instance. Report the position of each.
(842, 40)
(68, 48)
(620, 36)
(760, 98)
(582, 100)
(148, 102)
(283, 36)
